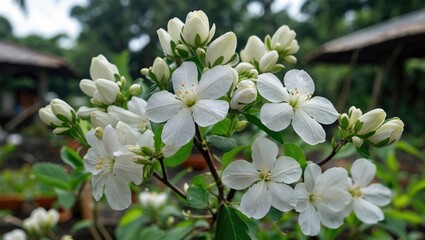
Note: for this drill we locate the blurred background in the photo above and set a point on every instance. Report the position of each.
(359, 52)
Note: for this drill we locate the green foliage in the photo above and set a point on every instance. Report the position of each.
(70, 157)
(257, 122)
(225, 144)
(230, 226)
(181, 155)
(197, 198)
(294, 151)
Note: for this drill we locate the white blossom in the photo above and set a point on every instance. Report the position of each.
(388, 133)
(48, 117)
(196, 31)
(245, 93)
(222, 47)
(152, 199)
(295, 103)
(371, 121)
(16, 234)
(101, 68)
(267, 178)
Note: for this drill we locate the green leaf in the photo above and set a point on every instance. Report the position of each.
(130, 215)
(72, 158)
(52, 174)
(230, 226)
(410, 149)
(77, 177)
(158, 141)
(197, 198)
(294, 151)
(178, 233)
(257, 122)
(407, 216)
(81, 225)
(65, 198)
(221, 128)
(181, 155)
(230, 155)
(225, 144)
(132, 230)
(199, 181)
(364, 150)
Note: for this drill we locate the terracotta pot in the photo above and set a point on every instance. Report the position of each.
(13, 202)
(45, 201)
(195, 161)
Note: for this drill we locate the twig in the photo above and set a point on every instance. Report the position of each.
(335, 150)
(230, 195)
(170, 185)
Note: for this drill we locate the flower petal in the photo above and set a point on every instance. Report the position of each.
(264, 153)
(126, 134)
(377, 194)
(302, 197)
(309, 221)
(95, 143)
(286, 170)
(207, 112)
(127, 170)
(162, 106)
(321, 109)
(276, 116)
(98, 183)
(311, 176)
(214, 83)
(334, 177)
(329, 218)
(117, 193)
(307, 128)
(137, 105)
(256, 202)
(110, 141)
(179, 130)
(271, 88)
(90, 160)
(363, 171)
(240, 174)
(367, 212)
(300, 80)
(283, 197)
(185, 77)
(335, 199)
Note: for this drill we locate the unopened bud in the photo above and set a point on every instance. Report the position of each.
(240, 125)
(146, 151)
(144, 71)
(61, 108)
(123, 81)
(135, 89)
(107, 90)
(48, 117)
(358, 142)
(142, 160)
(101, 68)
(371, 121)
(98, 132)
(268, 61)
(388, 132)
(185, 187)
(60, 130)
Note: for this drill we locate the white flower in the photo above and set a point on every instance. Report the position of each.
(165, 41)
(245, 93)
(295, 103)
(103, 119)
(111, 173)
(41, 221)
(283, 41)
(48, 117)
(267, 178)
(107, 91)
(322, 198)
(88, 87)
(223, 47)
(161, 70)
(254, 50)
(152, 199)
(16, 234)
(268, 61)
(371, 121)
(101, 68)
(367, 198)
(388, 133)
(196, 30)
(192, 102)
(60, 107)
(174, 28)
(135, 116)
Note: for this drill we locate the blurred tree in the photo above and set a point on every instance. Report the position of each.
(5, 29)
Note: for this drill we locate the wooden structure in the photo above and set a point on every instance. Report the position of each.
(19, 61)
(387, 45)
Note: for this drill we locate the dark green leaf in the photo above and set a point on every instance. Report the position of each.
(77, 177)
(230, 155)
(230, 226)
(274, 214)
(294, 151)
(178, 233)
(257, 122)
(364, 151)
(197, 198)
(225, 144)
(181, 155)
(221, 128)
(158, 142)
(199, 181)
(52, 174)
(70, 157)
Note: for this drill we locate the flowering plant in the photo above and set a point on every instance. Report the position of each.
(202, 94)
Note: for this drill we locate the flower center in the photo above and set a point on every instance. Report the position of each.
(356, 192)
(103, 164)
(186, 95)
(265, 175)
(296, 98)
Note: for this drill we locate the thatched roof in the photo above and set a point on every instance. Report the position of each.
(377, 42)
(19, 60)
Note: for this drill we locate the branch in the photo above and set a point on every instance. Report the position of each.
(165, 181)
(335, 150)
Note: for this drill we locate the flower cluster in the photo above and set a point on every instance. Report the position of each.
(41, 221)
(201, 92)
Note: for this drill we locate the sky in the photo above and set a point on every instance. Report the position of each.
(51, 17)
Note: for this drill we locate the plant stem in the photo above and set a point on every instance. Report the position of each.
(230, 195)
(209, 160)
(165, 181)
(335, 150)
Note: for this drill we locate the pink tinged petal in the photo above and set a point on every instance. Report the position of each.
(335, 199)
(90, 160)
(283, 197)
(328, 217)
(207, 112)
(264, 153)
(286, 170)
(240, 174)
(271, 88)
(214, 83)
(363, 171)
(307, 128)
(300, 80)
(377, 194)
(367, 212)
(117, 193)
(179, 130)
(276, 116)
(256, 202)
(98, 183)
(162, 106)
(311, 176)
(302, 197)
(309, 221)
(185, 77)
(127, 170)
(334, 177)
(321, 109)
(110, 141)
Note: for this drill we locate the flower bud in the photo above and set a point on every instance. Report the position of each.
(48, 117)
(245, 93)
(358, 142)
(60, 107)
(107, 90)
(196, 31)
(240, 125)
(290, 59)
(185, 187)
(102, 119)
(371, 121)
(144, 71)
(135, 89)
(388, 133)
(52, 218)
(282, 38)
(182, 50)
(354, 115)
(268, 61)
(16, 234)
(98, 132)
(174, 28)
(254, 50)
(88, 87)
(165, 42)
(244, 67)
(101, 68)
(161, 70)
(60, 130)
(221, 50)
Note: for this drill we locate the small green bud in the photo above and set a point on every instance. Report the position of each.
(98, 132)
(240, 125)
(135, 89)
